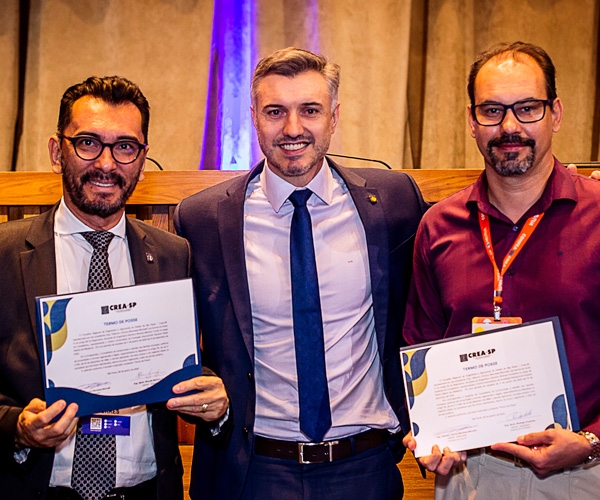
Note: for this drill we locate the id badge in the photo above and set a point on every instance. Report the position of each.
(485, 323)
(116, 425)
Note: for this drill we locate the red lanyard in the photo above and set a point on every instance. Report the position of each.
(528, 229)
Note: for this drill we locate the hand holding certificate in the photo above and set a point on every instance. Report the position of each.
(477, 390)
(119, 347)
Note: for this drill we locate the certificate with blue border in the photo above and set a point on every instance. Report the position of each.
(476, 390)
(117, 348)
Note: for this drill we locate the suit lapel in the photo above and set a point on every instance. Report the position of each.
(142, 253)
(372, 215)
(38, 265)
(230, 216)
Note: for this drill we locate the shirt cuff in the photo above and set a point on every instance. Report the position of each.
(215, 430)
(21, 455)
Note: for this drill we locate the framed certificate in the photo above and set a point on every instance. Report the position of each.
(121, 347)
(477, 390)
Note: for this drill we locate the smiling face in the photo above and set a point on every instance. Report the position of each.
(96, 190)
(294, 118)
(514, 148)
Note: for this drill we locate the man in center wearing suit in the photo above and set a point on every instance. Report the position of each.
(257, 307)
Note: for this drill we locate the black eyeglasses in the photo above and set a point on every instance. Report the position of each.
(90, 148)
(529, 111)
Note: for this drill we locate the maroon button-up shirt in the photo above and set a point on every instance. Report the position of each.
(557, 273)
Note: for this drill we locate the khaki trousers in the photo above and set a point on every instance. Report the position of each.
(485, 477)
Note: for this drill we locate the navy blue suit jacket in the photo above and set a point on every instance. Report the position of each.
(390, 207)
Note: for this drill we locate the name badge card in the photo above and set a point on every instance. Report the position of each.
(477, 390)
(120, 347)
(115, 425)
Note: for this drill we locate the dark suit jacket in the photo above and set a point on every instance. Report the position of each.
(390, 207)
(28, 270)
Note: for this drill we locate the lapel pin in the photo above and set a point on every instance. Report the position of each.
(372, 198)
(149, 257)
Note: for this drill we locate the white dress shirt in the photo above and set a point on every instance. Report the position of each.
(354, 370)
(136, 460)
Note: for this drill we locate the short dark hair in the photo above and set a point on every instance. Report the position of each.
(291, 62)
(513, 50)
(111, 89)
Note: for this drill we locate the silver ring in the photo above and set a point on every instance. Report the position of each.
(204, 407)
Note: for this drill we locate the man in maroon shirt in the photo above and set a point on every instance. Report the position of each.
(513, 113)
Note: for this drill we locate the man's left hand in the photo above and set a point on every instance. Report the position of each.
(209, 401)
(549, 451)
(440, 462)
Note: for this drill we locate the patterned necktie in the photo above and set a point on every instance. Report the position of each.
(313, 393)
(95, 458)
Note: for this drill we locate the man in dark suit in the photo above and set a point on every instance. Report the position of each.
(255, 297)
(100, 149)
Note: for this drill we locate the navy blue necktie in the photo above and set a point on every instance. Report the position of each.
(315, 412)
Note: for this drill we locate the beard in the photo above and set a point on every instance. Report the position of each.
(100, 205)
(510, 165)
(290, 167)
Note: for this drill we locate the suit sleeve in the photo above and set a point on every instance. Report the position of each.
(207, 430)
(425, 318)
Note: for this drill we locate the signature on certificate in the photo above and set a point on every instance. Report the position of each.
(95, 387)
(150, 375)
(515, 416)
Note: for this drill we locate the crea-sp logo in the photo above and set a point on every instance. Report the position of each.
(117, 307)
(476, 355)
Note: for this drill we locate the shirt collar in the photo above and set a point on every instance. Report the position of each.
(278, 190)
(560, 186)
(65, 222)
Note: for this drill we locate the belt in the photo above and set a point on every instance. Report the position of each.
(142, 491)
(326, 451)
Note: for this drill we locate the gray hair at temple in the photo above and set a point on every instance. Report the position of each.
(291, 62)
(514, 50)
(113, 90)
